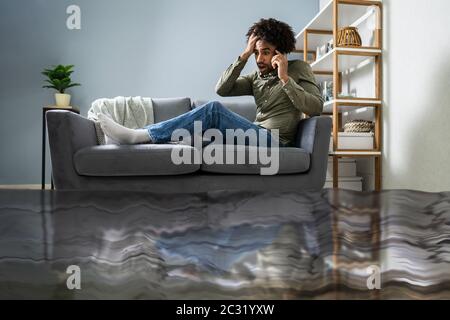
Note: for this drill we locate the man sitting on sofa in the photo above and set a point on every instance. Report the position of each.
(282, 89)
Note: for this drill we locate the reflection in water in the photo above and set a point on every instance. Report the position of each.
(224, 244)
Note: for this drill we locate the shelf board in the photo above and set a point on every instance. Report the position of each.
(349, 15)
(353, 101)
(349, 105)
(355, 153)
(325, 63)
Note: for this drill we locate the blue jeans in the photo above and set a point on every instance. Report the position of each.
(212, 115)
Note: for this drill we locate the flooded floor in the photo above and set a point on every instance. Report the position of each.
(333, 244)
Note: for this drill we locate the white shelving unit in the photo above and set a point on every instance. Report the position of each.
(339, 64)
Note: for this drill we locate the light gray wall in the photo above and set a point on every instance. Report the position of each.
(416, 112)
(155, 48)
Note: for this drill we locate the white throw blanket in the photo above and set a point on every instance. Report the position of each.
(131, 112)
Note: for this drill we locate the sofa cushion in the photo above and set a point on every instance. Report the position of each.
(133, 160)
(167, 108)
(245, 109)
(291, 160)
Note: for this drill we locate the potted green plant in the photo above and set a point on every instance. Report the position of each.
(59, 79)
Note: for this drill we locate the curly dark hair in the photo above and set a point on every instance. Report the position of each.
(278, 33)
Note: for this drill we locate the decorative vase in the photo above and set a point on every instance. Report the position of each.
(62, 99)
(349, 36)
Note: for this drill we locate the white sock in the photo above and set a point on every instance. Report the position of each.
(123, 134)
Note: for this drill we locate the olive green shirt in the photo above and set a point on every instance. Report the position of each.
(278, 106)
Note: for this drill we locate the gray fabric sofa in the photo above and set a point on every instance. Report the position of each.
(78, 162)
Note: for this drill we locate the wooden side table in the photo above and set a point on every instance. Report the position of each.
(44, 129)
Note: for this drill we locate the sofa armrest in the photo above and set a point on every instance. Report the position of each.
(314, 135)
(67, 133)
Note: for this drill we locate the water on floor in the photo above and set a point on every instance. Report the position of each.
(334, 244)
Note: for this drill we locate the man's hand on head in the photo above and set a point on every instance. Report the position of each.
(280, 60)
(250, 47)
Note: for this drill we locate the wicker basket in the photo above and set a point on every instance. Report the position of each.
(359, 126)
(349, 36)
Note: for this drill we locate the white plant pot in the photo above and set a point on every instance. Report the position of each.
(62, 99)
